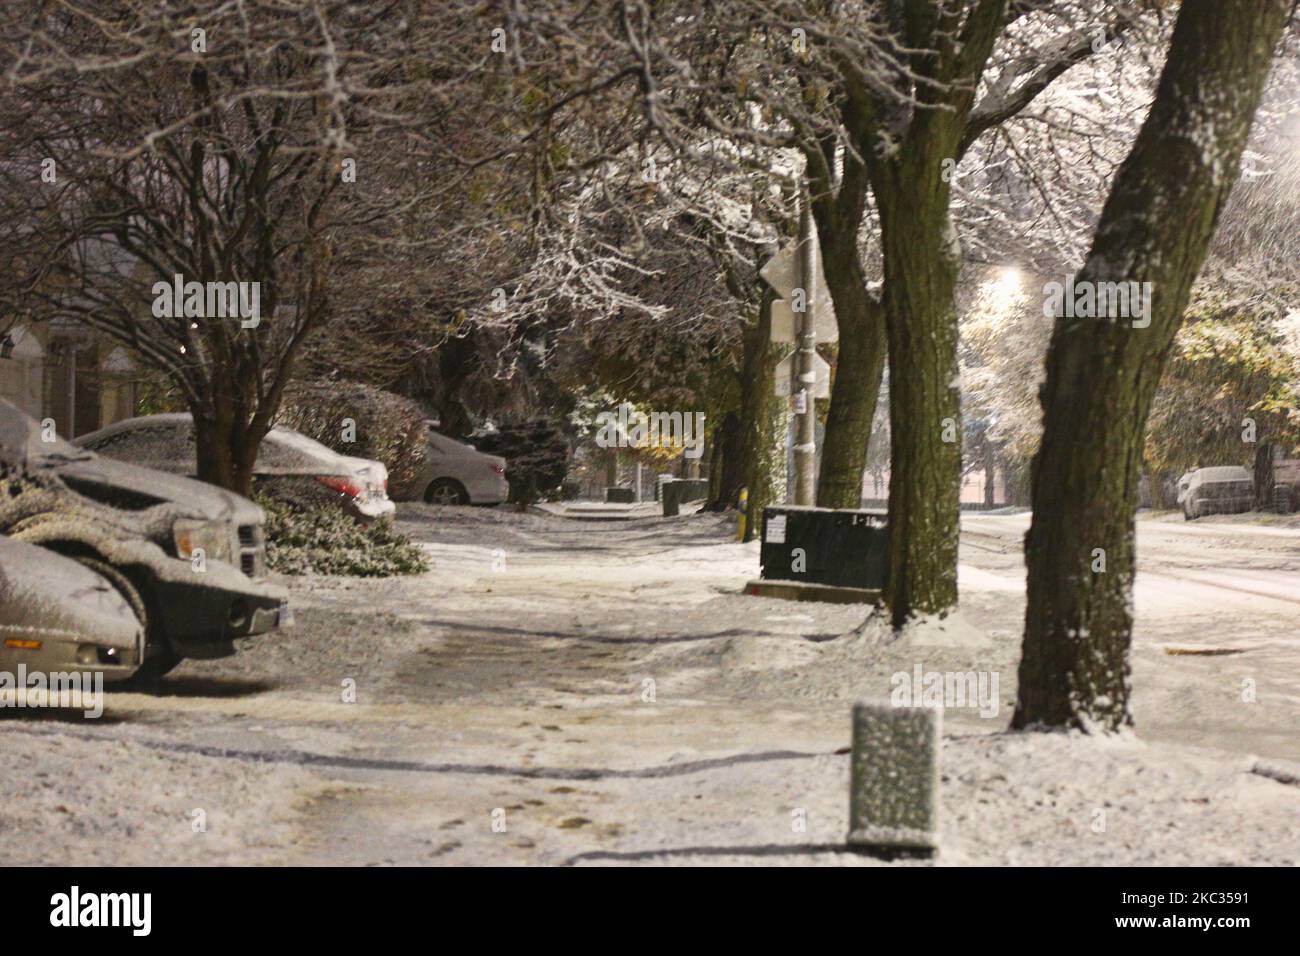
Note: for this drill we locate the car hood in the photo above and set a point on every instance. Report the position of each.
(188, 497)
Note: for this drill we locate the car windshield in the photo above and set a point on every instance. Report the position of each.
(448, 446)
(1224, 473)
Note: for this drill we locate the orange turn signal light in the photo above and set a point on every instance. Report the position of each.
(22, 645)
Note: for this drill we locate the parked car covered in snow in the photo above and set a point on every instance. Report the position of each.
(289, 464)
(1226, 489)
(185, 555)
(454, 473)
(58, 616)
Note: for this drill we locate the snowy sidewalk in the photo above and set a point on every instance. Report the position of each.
(601, 692)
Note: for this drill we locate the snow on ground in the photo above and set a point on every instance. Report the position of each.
(70, 801)
(595, 692)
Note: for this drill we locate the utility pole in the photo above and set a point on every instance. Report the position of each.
(800, 318)
(805, 449)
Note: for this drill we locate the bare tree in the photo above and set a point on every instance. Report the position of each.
(313, 151)
(204, 144)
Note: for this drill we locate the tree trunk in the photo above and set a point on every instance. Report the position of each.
(213, 452)
(1015, 479)
(727, 470)
(990, 474)
(921, 265)
(1102, 373)
(838, 205)
(858, 371)
(1264, 483)
(1159, 496)
(922, 258)
(222, 446)
(759, 416)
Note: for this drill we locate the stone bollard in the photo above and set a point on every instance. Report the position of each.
(671, 502)
(894, 780)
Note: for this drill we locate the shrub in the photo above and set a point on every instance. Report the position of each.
(324, 539)
(536, 454)
(388, 427)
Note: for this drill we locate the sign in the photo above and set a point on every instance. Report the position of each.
(785, 374)
(785, 324)
(782, 273)
(774, 530)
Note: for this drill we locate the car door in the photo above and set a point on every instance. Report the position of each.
(442, 457)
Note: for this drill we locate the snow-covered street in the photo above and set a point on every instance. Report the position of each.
(1217, 602)
(559, 691)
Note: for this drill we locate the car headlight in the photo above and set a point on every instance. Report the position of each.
(213, 537)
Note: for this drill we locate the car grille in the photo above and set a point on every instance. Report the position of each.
(252, 550)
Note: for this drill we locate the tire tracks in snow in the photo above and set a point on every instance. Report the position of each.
(306, 758)
(759, 850)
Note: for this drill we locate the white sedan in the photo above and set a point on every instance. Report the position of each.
(454, 473)
(288, 462)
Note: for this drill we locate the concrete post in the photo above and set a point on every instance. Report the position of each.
(894, 779)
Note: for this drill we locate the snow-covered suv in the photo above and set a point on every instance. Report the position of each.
(186, 555)
(1227, 489)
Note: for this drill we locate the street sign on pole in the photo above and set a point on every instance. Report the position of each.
(782, 273)
(785, 324)
(805, 446)
(787, 384)
(804, 314)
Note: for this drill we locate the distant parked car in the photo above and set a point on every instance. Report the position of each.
(1226, 489)
(454, 473)
(289, 464)
(58, 616)
(185, 555)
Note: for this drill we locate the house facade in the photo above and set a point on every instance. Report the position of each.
(64, 372)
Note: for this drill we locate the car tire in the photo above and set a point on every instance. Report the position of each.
(120, 581)
(1283, 501)
(158, 663)
(446, 491)
(159, 656)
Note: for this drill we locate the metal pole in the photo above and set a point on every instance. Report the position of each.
(805, 449)
(72, 393)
